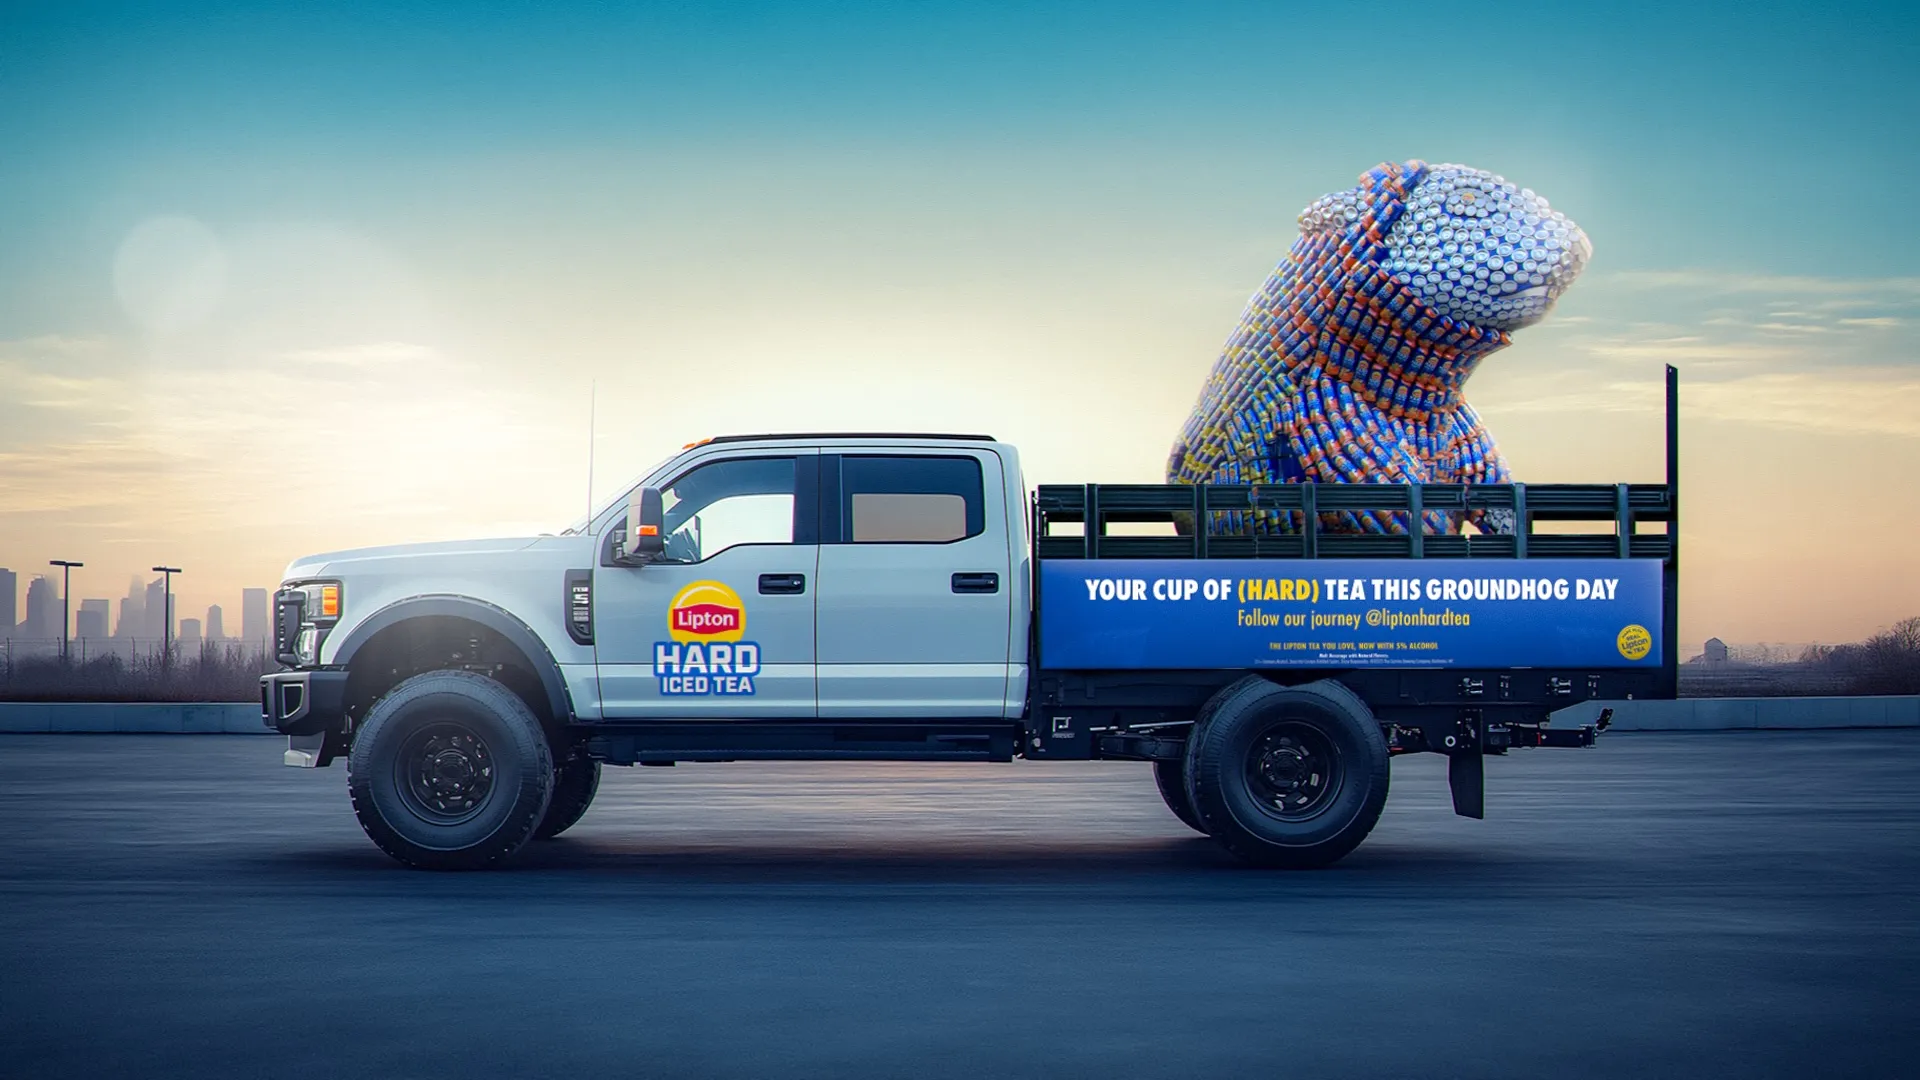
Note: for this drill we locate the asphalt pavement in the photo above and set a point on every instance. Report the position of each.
(1738, 904)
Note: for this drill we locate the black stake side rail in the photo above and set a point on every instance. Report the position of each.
(1197, 510)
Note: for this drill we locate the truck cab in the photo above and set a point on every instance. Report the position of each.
(830, 578)
(854, 593)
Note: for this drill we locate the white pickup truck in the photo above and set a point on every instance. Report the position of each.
(902, 597)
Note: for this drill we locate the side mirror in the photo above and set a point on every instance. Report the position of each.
(646, 540)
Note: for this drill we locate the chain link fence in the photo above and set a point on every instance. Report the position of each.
(132, 669)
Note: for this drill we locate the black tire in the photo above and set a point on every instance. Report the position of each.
(1170, 776)
(574, 783)
(451, 771)
(1287, 776)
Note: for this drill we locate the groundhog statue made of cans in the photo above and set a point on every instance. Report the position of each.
(1347, 365)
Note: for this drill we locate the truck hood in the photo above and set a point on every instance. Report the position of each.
(369, 558)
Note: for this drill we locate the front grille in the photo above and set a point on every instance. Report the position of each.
(288, 610)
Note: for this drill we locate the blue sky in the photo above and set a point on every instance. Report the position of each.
(727, 213)
(1704, 120)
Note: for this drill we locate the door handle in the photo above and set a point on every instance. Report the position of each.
(782, 584)
(976, 583)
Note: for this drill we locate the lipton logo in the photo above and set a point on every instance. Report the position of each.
(706, 619)
(706, 611)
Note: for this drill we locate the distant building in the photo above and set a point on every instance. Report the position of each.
(9, 600)
(158, 611)
(90, 621)
(254, 627)
(43, 609)
(133, 612)
(189, 636)
(216, 626)
(1714, 652)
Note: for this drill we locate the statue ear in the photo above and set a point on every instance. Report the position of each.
(1386, 183)
(1409, 173)
(1387, 186)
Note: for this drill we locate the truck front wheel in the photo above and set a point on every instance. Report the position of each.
(1287, 776)
(451, 771)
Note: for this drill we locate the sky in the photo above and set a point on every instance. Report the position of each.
(276, 280)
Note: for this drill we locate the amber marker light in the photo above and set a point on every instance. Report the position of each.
(329, 601)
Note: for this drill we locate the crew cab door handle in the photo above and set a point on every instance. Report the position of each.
(782, 584)
(976, 583)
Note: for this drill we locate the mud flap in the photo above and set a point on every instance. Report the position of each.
(1467, 767)
(1467, 776)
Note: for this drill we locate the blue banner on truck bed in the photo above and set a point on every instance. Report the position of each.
(1239, 613)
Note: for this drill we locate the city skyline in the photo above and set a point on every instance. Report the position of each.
(41, 620)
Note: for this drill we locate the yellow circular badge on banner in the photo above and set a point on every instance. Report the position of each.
(706, 611)
(1634, 642)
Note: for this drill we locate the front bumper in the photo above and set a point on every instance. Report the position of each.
(303, 702)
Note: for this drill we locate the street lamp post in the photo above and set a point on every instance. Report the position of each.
(66, 599)
(166, 615)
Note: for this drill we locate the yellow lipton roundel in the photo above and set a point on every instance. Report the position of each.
(1634, 642)
(706, 611)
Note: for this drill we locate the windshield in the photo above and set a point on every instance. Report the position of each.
(580, 524)
(726, 503)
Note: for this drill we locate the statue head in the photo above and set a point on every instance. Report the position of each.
(1466, 242)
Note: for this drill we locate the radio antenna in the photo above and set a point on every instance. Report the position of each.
(593, 389)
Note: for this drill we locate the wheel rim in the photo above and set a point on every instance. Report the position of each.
(446, 772)
(1294, 771)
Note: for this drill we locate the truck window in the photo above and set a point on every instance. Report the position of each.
(724, 504)
(910, 499)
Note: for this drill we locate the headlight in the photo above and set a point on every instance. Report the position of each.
(323, 601)
(320, 608)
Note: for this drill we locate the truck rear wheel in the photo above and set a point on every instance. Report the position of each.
(1287, 776)
(1170, 776)
(451, 771)
(575, 781)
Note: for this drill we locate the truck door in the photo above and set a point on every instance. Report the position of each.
(914, 599)
(723, 626)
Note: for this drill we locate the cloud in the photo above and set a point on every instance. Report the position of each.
(1692, 349)
(373, 355)
(388, 430)
(1769, 304)
(51, 345)
(1826, 355)
(1852, 401)
(28, 388)
(80, 473)
(1713, 281)
(1722, 326)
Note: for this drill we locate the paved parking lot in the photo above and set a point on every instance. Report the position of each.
(1740, 904)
